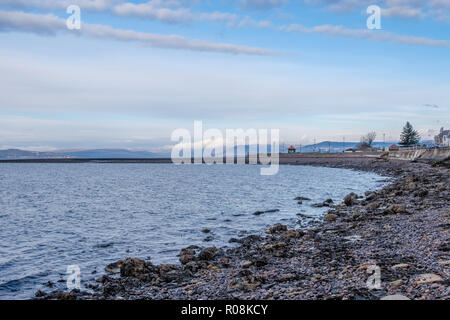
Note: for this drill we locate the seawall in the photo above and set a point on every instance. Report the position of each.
(422, 154)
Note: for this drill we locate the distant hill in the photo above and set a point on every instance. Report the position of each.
(13, 154)
(17, 154)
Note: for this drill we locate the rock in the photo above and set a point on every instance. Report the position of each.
(350, 199)
(371, 196)
(396, 283)
(246, 264)
(206, 230)
(330, 217)
(318, 205)
(400, 266)
(428, 278)
(373, 205)
(277, 228)
(258, 213)
(421, 193)
(209, 253)
(134, 267)
(245, 273)
(260, 262)
(287, 277)
(444, 262)
(114, 268)
(291, 234)
(396, 297)
(394, 209)
(302, 199)
(166, 268)
(208, 239)
(250, 285)
(168, 272)
(187, 255)
(411, 186)
(326, 203)
(40, 294)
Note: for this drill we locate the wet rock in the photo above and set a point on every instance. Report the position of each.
(40, 294)
(134, 267)
(113, 268)
(318, 205)
(209, 253)
(330, 217)
(326, 203)
(277, 228)
(188, 254)
(206, 230)
(208, 239)
(302, 199)
(258, 213)
(104, 245)
(350, 199)
(291, 234)
(371, 196)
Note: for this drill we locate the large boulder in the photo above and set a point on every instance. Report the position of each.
(277, 228)
(133, 267)
(350, 199)
(208, 254)
(188, 254)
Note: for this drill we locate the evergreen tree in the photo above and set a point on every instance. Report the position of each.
(409, 136)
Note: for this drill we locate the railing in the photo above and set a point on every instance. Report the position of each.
(422, 148)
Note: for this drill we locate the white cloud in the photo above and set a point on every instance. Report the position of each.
(435, 9)
(162, 11)
(50, 24)
(262, 4)
(373, 35)
(97, 5)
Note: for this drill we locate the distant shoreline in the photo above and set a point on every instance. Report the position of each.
(284, 159)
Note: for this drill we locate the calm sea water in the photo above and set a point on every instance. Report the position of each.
(56, 215)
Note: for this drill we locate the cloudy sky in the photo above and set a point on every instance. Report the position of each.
(137, 70)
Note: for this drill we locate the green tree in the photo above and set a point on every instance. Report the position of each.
(409, 136)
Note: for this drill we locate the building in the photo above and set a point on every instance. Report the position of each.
(394, 147)
(443, 138)
(291, 149)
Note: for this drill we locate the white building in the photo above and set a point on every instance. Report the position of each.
(443, 138)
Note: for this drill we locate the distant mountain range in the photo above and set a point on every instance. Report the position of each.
(91, 153)
(325, 146)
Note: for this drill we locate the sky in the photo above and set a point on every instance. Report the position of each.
(138, 70)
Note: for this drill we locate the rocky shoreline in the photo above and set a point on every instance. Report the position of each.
(402, 229)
